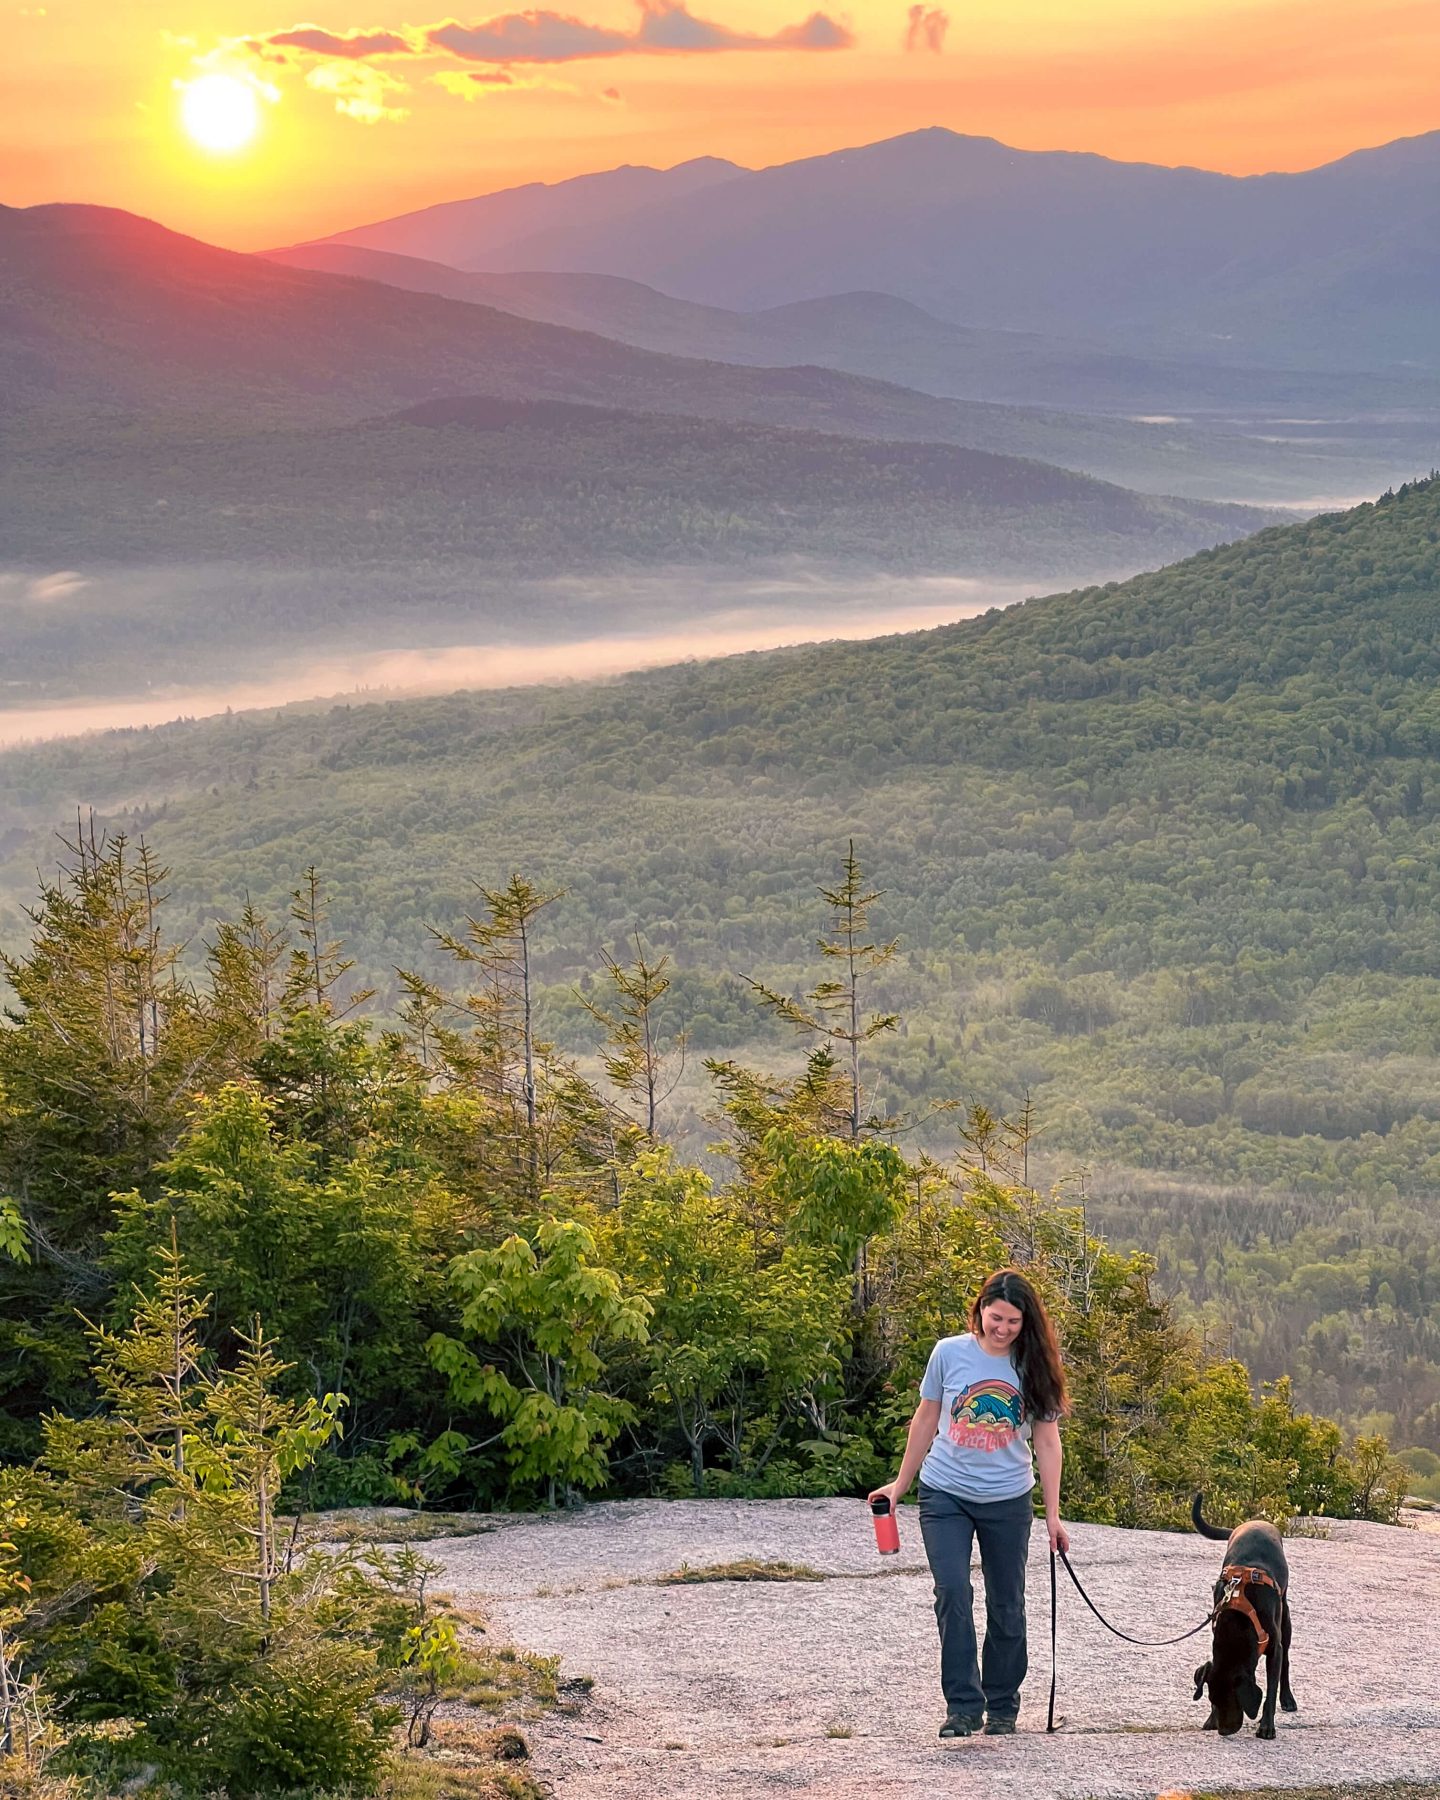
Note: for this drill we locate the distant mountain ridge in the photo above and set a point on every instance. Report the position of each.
(881, 336)
(109, 312)
(1333, 267)
(458, 230)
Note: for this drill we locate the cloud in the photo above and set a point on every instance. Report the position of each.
(671, 27)
(359, 92)
(345, 44)
(527, 37)
(233, 57)
(342, 63)
(474, 84)
(613, 96)
(926, 29)
(818, 32)
(666, 27)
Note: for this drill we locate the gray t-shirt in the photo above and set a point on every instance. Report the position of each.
(982, 1447)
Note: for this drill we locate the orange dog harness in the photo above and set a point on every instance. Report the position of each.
(1236, 1577)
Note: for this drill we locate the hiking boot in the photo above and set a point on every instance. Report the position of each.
(1000, 1725)
(960, 1724)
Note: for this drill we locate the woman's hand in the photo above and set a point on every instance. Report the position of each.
(1059, 1536)
(887, 1493)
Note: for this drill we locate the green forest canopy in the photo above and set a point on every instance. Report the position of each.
(549, 486)
(1162, 855)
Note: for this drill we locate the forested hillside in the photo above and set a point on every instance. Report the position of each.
(546, 487)
(1162, 856)
(217, 554)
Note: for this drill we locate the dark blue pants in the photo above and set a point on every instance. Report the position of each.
(950, 1526)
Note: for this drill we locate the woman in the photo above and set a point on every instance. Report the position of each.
(984, 1395)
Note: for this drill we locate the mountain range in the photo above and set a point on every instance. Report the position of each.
(467, 232)
(878, 335)
(346, 437)
(106, 312)
(1336, 267)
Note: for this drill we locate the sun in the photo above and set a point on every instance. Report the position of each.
(219, 112)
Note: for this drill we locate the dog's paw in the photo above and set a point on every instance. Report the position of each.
(1288, 1703)
(1265, 1729)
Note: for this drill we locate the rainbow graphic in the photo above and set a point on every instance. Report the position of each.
(987, 1415)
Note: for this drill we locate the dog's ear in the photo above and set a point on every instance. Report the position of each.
(1250, 1698)
(1202, 1675)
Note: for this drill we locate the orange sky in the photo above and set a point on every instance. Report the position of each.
(89, 96)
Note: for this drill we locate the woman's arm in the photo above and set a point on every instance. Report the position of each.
(923, 1426)
(1048, 1459)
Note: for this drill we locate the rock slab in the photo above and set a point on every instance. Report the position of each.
(830, 1688)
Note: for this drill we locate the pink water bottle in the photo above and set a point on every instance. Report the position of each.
(887, 1532)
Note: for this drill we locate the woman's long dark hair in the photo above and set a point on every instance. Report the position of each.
(1035, 1351)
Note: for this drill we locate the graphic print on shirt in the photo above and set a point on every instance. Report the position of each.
(987, 1415)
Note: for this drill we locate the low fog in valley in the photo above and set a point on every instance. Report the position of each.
(526, 632)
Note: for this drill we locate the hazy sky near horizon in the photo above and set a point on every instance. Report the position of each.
(368, 110)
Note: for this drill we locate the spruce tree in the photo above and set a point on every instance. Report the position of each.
(638, 1058)
(834, 1008)
(107, 1042)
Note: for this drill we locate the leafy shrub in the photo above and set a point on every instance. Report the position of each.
(303, 1720)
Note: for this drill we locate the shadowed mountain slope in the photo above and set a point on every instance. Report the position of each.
(547, 487)
(104, 309)
(107, 312)
(878, 335)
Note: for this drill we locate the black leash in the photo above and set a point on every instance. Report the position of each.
(1144, 1643)
(1050, 1718)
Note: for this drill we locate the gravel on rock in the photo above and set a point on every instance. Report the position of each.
(831, 1688)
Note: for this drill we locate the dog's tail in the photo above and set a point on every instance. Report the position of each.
(1202, 1526)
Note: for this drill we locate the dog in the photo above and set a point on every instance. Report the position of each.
(1251, 1617)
